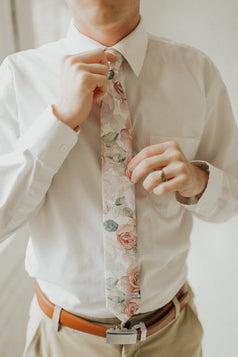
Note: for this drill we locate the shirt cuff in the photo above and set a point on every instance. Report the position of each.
(206, 204)
(49, 140)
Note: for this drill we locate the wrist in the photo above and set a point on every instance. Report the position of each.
(67, 122)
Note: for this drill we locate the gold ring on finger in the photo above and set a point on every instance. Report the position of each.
(162, 175)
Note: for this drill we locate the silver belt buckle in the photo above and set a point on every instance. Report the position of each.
(125, 336)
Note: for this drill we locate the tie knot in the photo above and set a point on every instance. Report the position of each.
(116, 65)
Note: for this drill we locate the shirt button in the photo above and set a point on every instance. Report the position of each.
(63, 148)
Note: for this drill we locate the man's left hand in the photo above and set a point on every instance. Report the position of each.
(180, 174)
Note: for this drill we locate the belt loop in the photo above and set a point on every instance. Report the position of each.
(56, 318)
(177, 306)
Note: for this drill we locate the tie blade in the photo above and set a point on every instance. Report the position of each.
(119, 215)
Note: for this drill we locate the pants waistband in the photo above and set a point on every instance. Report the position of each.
(152, 324)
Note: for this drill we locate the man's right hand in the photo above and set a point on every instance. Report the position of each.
(83, 80)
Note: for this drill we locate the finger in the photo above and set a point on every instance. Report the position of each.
(99, 85)
(147, 152)
(95, 68)
(94, 56)
(111, 57)
(155, 178)
(168, 186)
(146, 165)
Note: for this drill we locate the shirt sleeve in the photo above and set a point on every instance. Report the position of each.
(29, 162)
(218, 150)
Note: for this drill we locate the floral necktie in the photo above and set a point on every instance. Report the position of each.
(120, 242)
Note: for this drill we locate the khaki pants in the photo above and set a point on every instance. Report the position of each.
(181, 338)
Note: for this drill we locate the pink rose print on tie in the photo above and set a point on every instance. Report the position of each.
(119, 90)
(130, 283)
(126, 234)
(126, 140)
(131, 306)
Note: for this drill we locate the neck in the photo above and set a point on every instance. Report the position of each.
(109, 24)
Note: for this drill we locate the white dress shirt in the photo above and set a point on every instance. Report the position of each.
(50, 176)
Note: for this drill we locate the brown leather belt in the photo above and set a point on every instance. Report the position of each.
(160, 319)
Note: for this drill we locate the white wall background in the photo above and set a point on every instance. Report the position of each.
(15, 26)
(212, 26)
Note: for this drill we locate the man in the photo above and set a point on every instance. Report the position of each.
(53, 102)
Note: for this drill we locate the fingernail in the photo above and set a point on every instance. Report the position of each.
(128, 173)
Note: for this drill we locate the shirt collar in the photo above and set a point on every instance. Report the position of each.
(132, 47)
